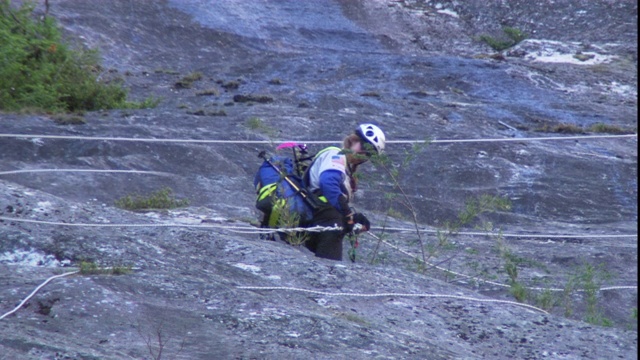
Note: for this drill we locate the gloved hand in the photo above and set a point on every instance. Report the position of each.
(359, 218)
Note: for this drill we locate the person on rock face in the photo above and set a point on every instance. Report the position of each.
(330, 177)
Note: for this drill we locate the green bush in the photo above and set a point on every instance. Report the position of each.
(39, 71)
(513, 35)
(161, 199)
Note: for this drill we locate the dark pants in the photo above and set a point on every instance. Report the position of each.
(326, 244)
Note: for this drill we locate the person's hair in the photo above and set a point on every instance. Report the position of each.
(346, 144)
(350, 140)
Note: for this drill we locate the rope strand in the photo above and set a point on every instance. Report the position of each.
(255, 230)
(202, 141)
(35, 291)
(85, 170)
(284, 288)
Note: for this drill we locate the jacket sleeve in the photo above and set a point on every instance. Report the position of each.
(331, 184)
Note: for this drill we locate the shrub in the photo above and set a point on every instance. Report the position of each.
(39, 71)
(187, 81)
(161, 199)
(610, 129)
(514, 36)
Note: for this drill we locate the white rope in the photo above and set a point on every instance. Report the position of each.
(85, 170)
(451, 141)
(435, 141)
(35, 291)
(238, 229)
(255, 230)
(568, 236)
(284, 288)
(633, 287)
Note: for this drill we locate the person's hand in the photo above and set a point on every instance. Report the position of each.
(359, 218)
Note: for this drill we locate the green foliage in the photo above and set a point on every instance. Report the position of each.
(609, 129)
(516, 35)
(495, 44)
(208, 92)
(562, 128)
(67, 119)
(257, 124)
(591, 279)
(289, 219)
(565, 128)
(39, 71)
(401, 198)
(187, 81)
(587, 281)
(546, 300)
(161, 199)
(398, 197)
(518, 291)
(476, 207)
(512, 36)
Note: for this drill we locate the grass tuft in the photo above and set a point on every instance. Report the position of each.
(161, 199)
(511, 37)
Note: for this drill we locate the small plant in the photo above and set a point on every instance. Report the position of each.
(231, 85)
(148, 103)
(518, 291)
(587, 281)
(511, 262)
(161, 199)
(512, 36)
(288, 219)
(198, 112)
(69, 119)
(156, 335)
(591, 279)
(187, 81)
(609, 129)
(546, 300)
(255, 123)
(516, 35)
(217, 113)
(263, 99)
(561, 128)
(208, 92)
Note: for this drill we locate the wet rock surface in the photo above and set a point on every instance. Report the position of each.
(312, 71)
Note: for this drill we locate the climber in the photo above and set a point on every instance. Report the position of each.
(331, 178)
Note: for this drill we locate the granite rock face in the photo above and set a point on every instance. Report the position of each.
(204, 285)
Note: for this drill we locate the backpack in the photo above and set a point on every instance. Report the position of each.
(281, 193)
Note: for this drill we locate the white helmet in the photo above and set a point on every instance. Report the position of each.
(373, 135)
